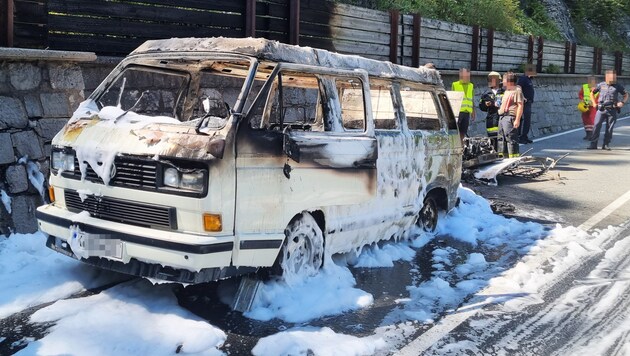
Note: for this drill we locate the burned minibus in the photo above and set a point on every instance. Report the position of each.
(204, 158)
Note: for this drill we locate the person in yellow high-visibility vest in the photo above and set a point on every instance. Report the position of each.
(467, 111)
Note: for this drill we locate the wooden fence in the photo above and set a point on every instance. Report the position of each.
(115, 27)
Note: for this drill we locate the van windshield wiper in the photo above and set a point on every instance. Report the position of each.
(204, 123)
(131, 108)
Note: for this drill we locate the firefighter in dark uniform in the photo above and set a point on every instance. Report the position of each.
(608, 106)
(490, 102)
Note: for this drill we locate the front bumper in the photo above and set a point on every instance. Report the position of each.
(139, 251)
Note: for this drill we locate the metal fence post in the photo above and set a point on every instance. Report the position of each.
(394, 16)
(573, 57)
(474, 54)
(415, 38)
(567, 56)
(294, 22)
(490, 49)
(250, 18)
(530, 49)
(6, 23)
(539, 58)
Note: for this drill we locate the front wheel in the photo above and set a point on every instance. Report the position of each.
(428, 216)
(302, 253)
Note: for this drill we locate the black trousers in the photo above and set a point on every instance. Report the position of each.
(609, 116)
(508, 138)
(526, 121)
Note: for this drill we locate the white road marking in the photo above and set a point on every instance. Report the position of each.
(570, 131)
(602, 214)
(451, 321)
(438, 331)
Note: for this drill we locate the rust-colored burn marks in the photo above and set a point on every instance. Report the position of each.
(73, 130)
(175, 143)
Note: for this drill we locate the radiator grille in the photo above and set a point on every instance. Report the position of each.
(123, 211)
(128, 172)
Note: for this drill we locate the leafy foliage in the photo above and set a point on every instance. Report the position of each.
(553, 69)
(603, 13)
(518, 16)
(534, 20)
(502, 15)
(486, 13)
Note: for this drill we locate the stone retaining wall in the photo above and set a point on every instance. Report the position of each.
(38, 92)
(40, 89)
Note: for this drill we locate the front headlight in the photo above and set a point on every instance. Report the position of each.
(171, 177)
(62, 161)
(194, 180)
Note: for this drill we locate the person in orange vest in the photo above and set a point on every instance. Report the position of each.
(588, 108)
(467, 111)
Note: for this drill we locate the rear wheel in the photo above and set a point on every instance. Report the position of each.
(302, 253)
(428, 216)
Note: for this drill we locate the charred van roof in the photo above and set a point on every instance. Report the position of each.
(279, 52)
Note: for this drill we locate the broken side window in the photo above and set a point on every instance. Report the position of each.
(147, 91)
(219, 87)
(448, 112)
(420, 108)
(255, 112)
(294, 101)
(383, 110)
(352, 103)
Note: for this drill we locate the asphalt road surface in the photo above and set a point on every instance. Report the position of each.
(588, 188)
(587, 310)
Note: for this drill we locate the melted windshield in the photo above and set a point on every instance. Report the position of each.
(202, 93)
(147, 91)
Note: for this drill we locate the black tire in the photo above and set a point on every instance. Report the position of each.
(302, 253)
(428, 216)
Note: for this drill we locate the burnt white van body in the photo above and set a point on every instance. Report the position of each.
(201, 159)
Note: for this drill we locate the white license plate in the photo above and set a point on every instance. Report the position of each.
(95, 245)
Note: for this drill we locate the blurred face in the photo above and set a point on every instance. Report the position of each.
(464, 76)
(611, 77)
(509, 84)
(530, 71)
(493, 82)
(592, 82)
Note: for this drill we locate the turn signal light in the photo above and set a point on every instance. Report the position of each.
(51, 193)
(212, 222)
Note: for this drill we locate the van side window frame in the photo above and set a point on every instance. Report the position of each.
(334, 83)
(441, 117)
(447, 112)
(394, 96)
(322, 73)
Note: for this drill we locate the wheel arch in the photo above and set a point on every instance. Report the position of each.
(320, 218)
(439, 194)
